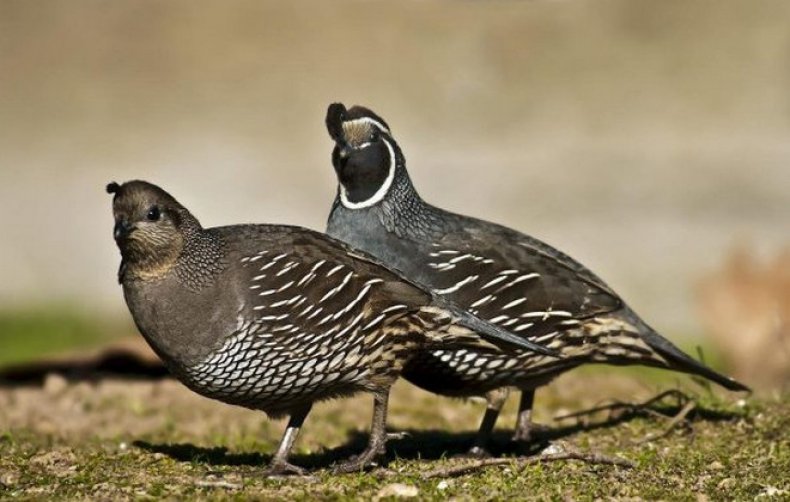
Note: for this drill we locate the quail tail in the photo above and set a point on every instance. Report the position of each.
(679, 360)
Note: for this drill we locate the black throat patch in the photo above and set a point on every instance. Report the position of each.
(363, 172)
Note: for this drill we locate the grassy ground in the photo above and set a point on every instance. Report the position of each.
(113, 439)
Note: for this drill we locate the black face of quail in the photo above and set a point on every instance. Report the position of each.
(364, 157)
(362, 169)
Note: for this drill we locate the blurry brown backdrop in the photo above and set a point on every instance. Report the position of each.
(647, 139)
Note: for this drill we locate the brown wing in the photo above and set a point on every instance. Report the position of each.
(300, 284)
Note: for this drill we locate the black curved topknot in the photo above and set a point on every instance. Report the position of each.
(335, 115)
(113, 187)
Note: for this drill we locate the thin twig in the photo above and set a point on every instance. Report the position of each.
(521, 462)
(680, 417)
(643, 406)
(208, 483)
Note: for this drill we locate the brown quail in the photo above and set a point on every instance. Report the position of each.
(276, 318)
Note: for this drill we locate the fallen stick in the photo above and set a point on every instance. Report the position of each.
(207, 483)
(680, 417)
(521, 462)
(644, 406)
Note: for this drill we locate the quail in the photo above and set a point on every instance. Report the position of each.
(499, 274)
(275, 318)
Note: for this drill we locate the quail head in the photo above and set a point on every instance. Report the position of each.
(499, 274)
(275, 318)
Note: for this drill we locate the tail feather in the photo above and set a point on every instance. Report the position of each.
(490, 332)
(680, 361)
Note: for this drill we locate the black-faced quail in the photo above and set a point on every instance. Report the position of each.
(275, 318)
(499, 274)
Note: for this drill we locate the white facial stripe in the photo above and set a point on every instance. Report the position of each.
(368, 120)
(380, 193)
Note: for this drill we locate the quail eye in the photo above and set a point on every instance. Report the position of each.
(153, 214)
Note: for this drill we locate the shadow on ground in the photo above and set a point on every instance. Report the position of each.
(423, 444)
(108, 364)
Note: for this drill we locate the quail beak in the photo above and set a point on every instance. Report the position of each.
(121, 230)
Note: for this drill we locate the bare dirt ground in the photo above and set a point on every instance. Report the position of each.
(121, 438)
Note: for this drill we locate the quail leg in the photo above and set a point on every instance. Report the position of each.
(378, 437)
(279, 465)
(495, 399)
(524, 425)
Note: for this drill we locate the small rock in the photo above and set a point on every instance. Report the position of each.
(725, 483)
(55, 384)
(9, 479)
(102, 487)
(554, 449)
(443, 485)
(772, 491)
(716, 465)
(398, 490)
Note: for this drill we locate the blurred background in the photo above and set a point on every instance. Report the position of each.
(650, 140)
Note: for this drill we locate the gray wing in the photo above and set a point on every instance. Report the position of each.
(515, 282)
